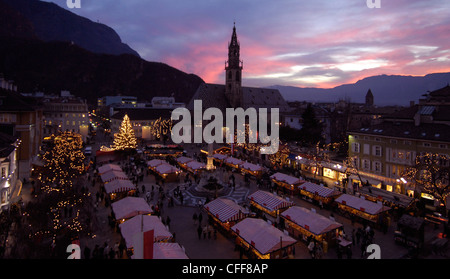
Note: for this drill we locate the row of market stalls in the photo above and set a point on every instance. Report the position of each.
(259, 236)
(365, 207)
(135, 219)
(133, 216)
(238, 164)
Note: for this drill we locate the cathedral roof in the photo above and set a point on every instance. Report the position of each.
(213, 95)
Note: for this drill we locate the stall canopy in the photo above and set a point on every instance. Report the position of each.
(226, 210)
(155, 162)
(251, 167)
(164, 250)
(113, 175)
(166, 169)
(109, 167)
(219, 156)
(194, 165)
(318, 190)
(291, 180)
(233, 161)
(311, 221)
(119, 185)
(129, 207)
(143, 223)
(270, 201)
(362, 204)
(184, 160)
(264, 237)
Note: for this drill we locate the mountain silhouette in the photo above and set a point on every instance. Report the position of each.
(387, 89)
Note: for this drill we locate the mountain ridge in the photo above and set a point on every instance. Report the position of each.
(387, 89)
(49, 22)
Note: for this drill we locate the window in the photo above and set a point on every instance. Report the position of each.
(442, 146)
(393, 141)
(366, 164)
(377, 166)
(407, 142)
(377, 150)
(426, 144)
(355, 147)
(377, 139)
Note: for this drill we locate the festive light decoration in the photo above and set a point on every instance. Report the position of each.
(431, 173)
(125, 138)
(63, 161)
(161, 127)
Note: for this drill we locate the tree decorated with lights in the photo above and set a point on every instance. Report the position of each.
(63, 161)
(59, 209)
(125, 138)
(431, 174)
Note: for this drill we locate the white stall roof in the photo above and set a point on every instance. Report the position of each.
(264, 237)
(129, 207)
(309, 220)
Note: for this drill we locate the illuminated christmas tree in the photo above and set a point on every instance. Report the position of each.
(125, 138)
(63, 161)
(431, 175)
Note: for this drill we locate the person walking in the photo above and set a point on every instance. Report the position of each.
(199, 231)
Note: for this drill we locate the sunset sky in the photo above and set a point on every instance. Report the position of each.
(314, 43)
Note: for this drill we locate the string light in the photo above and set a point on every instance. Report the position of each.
(125, 138)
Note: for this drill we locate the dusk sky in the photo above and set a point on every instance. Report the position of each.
(314, 43)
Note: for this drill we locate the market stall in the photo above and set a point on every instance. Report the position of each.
(143, 223)
(183, 160)
(252, 169)
(362, 208)
(318, 193)
(129, 207)
(233, 162)
(113, 175)
(303, 223)
(225, 212)
(109, 167)
(410, 231)
(268, 204)
(152, 164)
(165, 250)
(195, 167)
(168, 172)
(262, 240)
(287, 182)
(119, 188)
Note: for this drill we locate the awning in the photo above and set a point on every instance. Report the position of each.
(263, 237)
(281, 177)
(225, 210)
(129, 207)
(143, 223)
(318, 189)
(361, 204)
(270, 201)
(119, 185)
(311, 221)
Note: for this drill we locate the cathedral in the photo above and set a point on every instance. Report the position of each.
(232, 94)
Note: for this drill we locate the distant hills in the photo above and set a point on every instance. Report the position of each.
(387, 89)
(49, 22)
(46, 48)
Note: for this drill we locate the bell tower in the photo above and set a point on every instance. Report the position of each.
(233, 73)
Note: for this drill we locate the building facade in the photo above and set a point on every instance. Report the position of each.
(66, 114)
(381, 153)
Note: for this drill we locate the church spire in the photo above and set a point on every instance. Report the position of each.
(233, 68)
